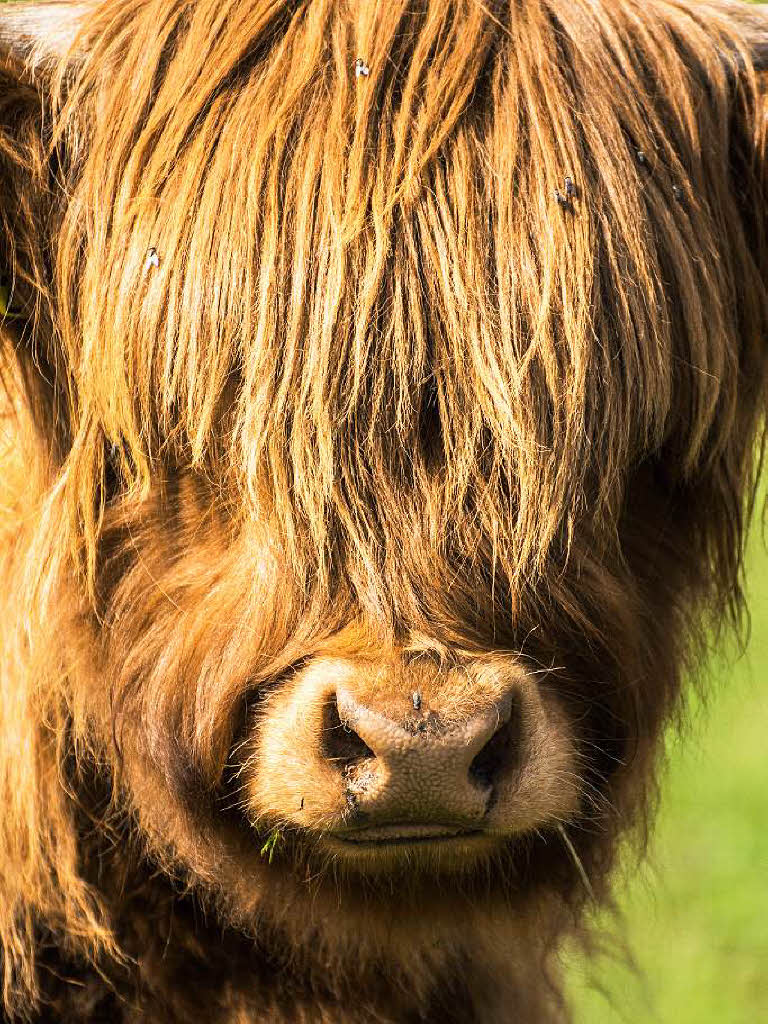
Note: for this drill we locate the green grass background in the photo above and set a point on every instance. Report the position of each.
(696, 914)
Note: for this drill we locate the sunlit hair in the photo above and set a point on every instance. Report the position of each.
(377, 349)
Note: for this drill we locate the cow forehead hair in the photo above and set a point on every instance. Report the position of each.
(366, 311)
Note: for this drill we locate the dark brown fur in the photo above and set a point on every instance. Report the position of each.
(383, 398)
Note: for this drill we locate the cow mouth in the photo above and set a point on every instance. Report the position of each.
(405, 833)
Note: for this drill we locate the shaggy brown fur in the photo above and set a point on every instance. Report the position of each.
(382, 405)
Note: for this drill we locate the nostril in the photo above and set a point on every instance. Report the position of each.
(340, 743)
(500, 753)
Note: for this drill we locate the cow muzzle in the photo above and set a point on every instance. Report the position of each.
(369, 754)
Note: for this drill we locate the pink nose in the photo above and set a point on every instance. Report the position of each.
(419, 769)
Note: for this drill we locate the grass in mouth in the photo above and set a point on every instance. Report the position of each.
(273, 843)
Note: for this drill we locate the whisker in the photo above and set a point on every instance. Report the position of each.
(577, 861)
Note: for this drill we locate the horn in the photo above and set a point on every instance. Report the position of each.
(35, 34)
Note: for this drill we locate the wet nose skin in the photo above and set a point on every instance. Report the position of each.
(420, 769)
